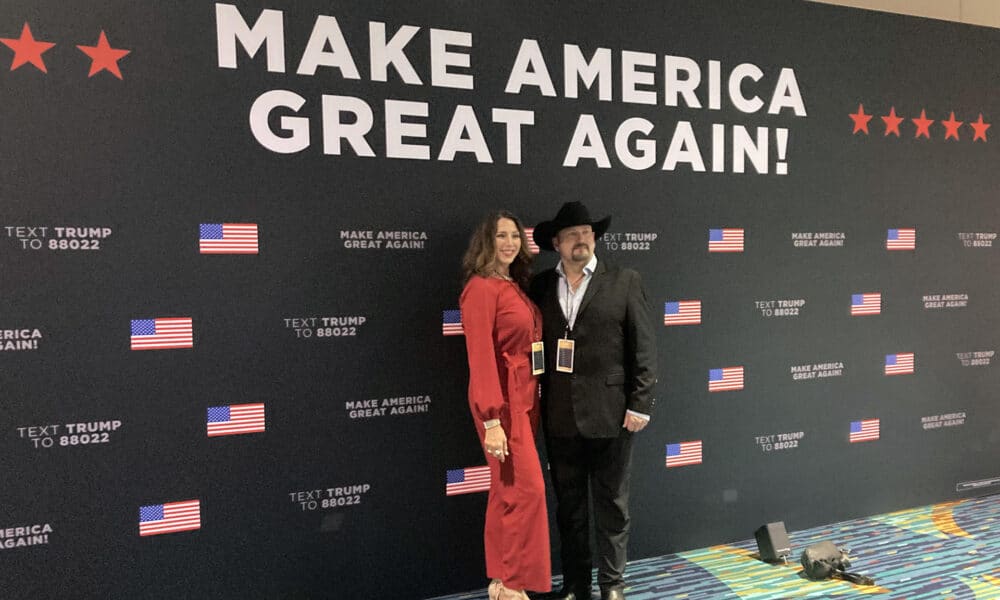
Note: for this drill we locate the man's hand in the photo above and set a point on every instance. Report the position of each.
(634, 423)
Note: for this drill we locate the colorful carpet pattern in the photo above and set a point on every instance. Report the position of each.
(944, 551)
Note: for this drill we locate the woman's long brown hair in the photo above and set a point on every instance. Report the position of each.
(480, 256)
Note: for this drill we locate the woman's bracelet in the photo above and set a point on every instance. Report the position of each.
(491, 423)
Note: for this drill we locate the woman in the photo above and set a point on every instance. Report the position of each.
(500, 324)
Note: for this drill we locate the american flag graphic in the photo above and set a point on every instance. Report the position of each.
(529, 234)
(161, 334)
(467, 481)
(864, 431)
(684, 453)
(725, 240)
(157, 519)
(866, 304)
(726, 379)
(682, 312)
(451, 323)
(227, 238)
(899, 364)
(901, 239)
(235, 419)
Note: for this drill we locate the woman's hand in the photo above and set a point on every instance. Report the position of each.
(496, 443)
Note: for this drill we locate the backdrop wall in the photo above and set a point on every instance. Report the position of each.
(230, 247)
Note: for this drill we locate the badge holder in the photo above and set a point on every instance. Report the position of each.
(537, 358)
(564, 355)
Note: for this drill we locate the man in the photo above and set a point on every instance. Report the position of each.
(597, 391)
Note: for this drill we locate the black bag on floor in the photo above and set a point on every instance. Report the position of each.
(823, 560)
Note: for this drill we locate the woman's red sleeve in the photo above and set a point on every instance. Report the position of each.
(479, 310)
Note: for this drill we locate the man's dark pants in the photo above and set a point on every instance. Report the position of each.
(604, 463)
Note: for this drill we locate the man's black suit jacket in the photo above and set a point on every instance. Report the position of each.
(615, 354)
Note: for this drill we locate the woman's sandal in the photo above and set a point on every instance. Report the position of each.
(494, 589)
(509, 594)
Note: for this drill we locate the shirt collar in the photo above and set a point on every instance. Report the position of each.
(588, 269)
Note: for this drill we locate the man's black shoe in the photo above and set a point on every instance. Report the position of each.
(613, 594)
(565, 594)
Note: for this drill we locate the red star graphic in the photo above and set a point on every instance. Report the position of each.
(104, 57)
(951, 126)
(860, 120)
(27, 49)
(892, 122)
(923, 124)
(980, 128)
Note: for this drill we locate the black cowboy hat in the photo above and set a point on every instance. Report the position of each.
(571, 214)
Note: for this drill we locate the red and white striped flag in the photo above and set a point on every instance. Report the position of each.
(157, 519)
(682, 312)
(684, 453)
(899, 364)
(901, 239)
(729, 239)
(228, 238)
(235, 419)
(162, 334)
(529, 234)
(866, 304)
(467, 481)
(864, 431)
(726, 379)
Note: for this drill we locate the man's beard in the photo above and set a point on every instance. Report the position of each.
(581, 253)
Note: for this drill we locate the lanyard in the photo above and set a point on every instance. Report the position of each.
(571, 309)
(536, 334)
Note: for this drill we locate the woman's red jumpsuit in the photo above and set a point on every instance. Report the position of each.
(500, 323)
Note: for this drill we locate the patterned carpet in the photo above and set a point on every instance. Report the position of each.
(949, 550)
